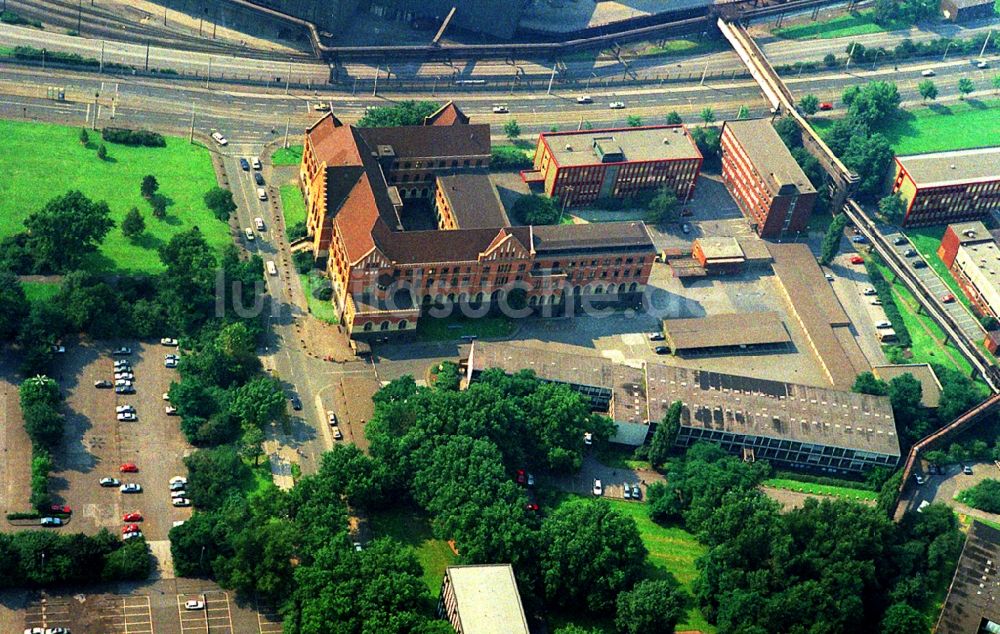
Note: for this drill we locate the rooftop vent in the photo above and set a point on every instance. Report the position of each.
(666, 141)
(952, 166)
(569, 148)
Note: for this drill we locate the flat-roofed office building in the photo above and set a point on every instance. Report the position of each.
(482, 599)
(943, 187)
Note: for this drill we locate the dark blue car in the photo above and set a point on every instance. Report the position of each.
(245, 164)
(859, 240)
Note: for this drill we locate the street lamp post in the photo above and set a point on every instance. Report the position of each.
(945, 56)
(877, 53)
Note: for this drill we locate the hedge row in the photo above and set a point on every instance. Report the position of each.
(505, 157)
(884, 290)
(124, 136)
(72, 59)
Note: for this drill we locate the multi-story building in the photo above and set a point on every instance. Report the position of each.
(482, 599)
(789, 424)
(967, 10)
(943, 187)
(972, 256)
(584, 166)
(363, 185)
(767, 183)
(973, 602)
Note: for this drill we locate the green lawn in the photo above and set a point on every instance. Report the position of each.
(293, 205)
(40, 291)
(450, 328)
(858, 23)
(820, 489)
(684, 47)
(291, 155)
(410, 527)
(322, 310)
(41, 161)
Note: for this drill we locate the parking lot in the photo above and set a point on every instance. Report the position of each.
(213, 616)
(849, 283)
(128, 615)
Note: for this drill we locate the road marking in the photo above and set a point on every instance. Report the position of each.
(217, 613)
(268, 621)
(191, 620)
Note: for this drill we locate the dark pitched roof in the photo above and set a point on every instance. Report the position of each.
(975, 588)
(448, 114)
(555, 239)
(462, 245)
(424, 141)
(474, 200)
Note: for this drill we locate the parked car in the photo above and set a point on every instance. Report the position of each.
(686, 228)
(296, 403)
(51, 521)
(626, 491)
(58, 349)
(108, 482)
(531, 506)
(876, 302)
(60, 509)
(170, 363)
(920, 264)
(259, 223)
(178, 486)
(271, 268)
(167, 341)
(128, 467)
(170, 410)
(521, 477)
(123, 383)
(500, 108)
(927, 73)
(933, 469)
(588, 438)
(124, 408)
(166, 396)
(321, 107)
(258, 178)
(636, 492)
(180, 494)
(132, 535)
(337, 435)
(123, 351)
(181, 502)
(662, 350)
(124, 389)
(255, 162)
(883, 325)
(857, 259)
(130, 487)
(132, 517)
(130, 528)
(248, 232)
(585, 99)
(103, 384)
(947, 299)
(869, 291)
(331, 418)
(180, 479)
(966, 469)
(859, 240)
(828, 276)
(244, 164)
(598, 489)
(982, 64)
(656, 336)
(124, 376)
(218, 138)
(531, 480)
(919, 478)
(910, 253)
(899, 240)
(616, 105)
(194, 605)
(825, 105)
(261, 193)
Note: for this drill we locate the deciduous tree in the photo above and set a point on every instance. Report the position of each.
(66, 230)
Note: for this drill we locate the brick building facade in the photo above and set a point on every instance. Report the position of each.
(973, 258)
(385, 277)
(584, 166)
(943, 187)
(767, 184)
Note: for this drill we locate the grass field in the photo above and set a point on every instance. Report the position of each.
(292, 205)
(40, 291)
(858, 23)
(410, 527)
(683, 47)
(820, 489)
(291, 155)
(450, 328)
(321, 310)
(43, 161)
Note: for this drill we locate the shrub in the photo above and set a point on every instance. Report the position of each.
(125, 136)
(102, 152)
(985, 496)
(536, 210)
(303, 261)
(507, 157)
(298, 230)
(220, 201)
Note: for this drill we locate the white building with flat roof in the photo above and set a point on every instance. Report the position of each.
(482, 600)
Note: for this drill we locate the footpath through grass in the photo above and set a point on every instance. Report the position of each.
(291, 155)
(42, 161)
(820, 489)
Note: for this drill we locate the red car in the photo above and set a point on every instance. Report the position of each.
(947, 299)
(65, 510)
(857, 259)
(532, 506)
(826, 105)
(132, 517)
(521, 477)
(128, 467)
(130, 528)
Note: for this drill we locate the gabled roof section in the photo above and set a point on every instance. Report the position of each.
(333, 142)
(460, 245)
(448, 114)
(419, 141)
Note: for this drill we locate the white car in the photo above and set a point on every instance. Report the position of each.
(588, 438)
(167, 341)
(617, 105)
(248, 232)
(255, 162)
(261, 193)
(982, 64)
(585, 99)
(927, 73)
(259, 223)
(108, 482)
(166, 396)
(218, 138)
(170, 410)
(124, 376)
(181, 502)
(331, 418)
(129, 417)
(123, 383)
(194, 605)
(883, 325)
(869, 291)
(170, 355)
(124, 408)
(170, 363)
(271, 268)
(500, 109)
(178, 486)
(132, 535)
(58, 349)
(598, 489)
(321, 107)
(122, 351)
(130, 487)
(178, 523)
(178, 495)
(336, 434)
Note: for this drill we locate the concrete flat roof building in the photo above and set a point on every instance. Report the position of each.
(930, 386)
(726, 334)
(764, 179)
(797, 425)
(482, 599)
(583, 166)
(942, 187)
(973, 601)
(972, 256)
(817, 309)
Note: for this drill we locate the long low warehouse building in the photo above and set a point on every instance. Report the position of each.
(726, 334)
(786, 423)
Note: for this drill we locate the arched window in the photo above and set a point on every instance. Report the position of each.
(402, 325)
(479, 297)
(451, 298)
(385, 325)
(632, 287)
(368, 326)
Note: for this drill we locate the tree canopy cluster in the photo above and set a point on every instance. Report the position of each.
(37, 558)
(403, 113)
(897, 13)
(849, 563)
(984, 496)
(855, 138)
(532, 209)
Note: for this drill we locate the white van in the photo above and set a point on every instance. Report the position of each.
(259, 223)
(221, 140)
(249, 234)
(271, 268)
(261, 193)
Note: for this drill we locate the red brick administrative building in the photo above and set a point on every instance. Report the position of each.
(767, 183)
(358, 185)
(584, 166)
